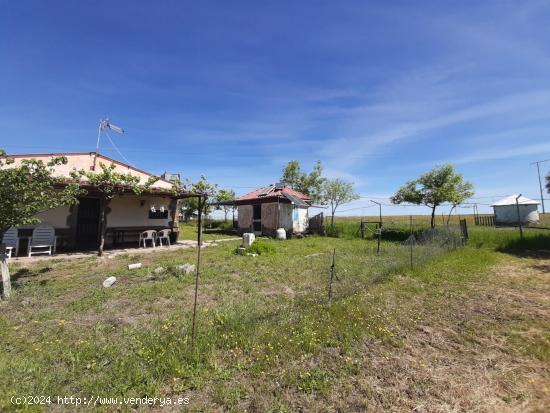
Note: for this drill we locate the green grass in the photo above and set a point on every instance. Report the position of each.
(259, 317)
(508, 239)
(261, 247)
(397, 228)
(188, 231)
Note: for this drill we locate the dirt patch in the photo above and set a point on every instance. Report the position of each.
(462, 359)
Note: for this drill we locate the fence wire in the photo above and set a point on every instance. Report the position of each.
(353, 272)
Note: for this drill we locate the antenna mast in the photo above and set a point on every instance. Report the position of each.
(540, 183)
(104, 124)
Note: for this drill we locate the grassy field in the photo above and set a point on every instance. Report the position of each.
(188, 231)
(463, 330)
(404, 220)
(348, 227)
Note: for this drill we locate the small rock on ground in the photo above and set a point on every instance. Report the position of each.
(186, 268)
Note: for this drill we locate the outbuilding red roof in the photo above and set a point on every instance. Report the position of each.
(273, 192)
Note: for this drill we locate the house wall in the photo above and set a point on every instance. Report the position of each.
(84, 161)
(244, 217)
(300, 224)
(285, 220)
(126, 211)
(290, 218)
(293, 218)
(269, 216)
(508, 214)
(57, 217)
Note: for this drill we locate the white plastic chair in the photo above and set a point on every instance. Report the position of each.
(149, 235)
(43, 239)
(11, 240)
(164, 234)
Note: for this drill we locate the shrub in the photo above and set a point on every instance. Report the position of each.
(214, 224)
(220, 225)
(261, 248)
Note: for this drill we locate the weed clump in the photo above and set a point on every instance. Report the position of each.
(261, 248)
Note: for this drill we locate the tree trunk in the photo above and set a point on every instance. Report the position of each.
(225, 211)
(102, 225)
(450, 212)
(433, 217)
(333, 209)
(6, 281)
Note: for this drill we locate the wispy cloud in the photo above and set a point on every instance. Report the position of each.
(378, 92)
(497, 153)
(523, 106)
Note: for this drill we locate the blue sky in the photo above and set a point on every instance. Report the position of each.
(378, 91)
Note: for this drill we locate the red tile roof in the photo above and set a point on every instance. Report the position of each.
(275, 193)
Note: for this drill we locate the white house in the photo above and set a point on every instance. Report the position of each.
(78, 226)
(506, 211)
(265, 210)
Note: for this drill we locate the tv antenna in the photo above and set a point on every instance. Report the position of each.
(104, 124)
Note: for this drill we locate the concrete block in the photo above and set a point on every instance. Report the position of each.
(109, 282)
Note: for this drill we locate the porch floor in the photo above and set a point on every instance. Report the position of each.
(181, 244)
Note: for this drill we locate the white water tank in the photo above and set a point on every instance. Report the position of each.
(248, 239)
(280, 233)
(507, 211)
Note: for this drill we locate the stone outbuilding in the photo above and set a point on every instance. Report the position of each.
(506, 211)
(265, 210)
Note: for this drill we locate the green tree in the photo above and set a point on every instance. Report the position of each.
(292, 174)
(309, 184)
(190, 206)
(30, 188)
(226, 195)
(336, 192)
(111, 184)
(441, 184)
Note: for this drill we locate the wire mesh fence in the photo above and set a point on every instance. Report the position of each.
(349, 272)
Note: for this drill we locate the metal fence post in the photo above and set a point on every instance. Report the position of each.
(411, 238)
(519, 217)
(332, 270)
(379, 230)
(199, 244)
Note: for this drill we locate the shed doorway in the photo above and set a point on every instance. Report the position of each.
(257, 219)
